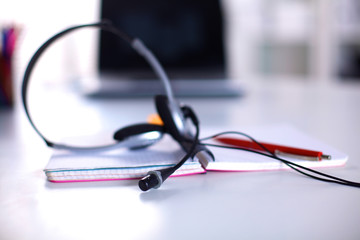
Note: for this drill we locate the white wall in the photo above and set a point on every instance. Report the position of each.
(40, 19)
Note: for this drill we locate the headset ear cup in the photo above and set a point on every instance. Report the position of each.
(164, 111)
(140, 135)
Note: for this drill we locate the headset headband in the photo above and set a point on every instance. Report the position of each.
(172, 115)
(135, 43)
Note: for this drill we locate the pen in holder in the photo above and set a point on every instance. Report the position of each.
(7, 47)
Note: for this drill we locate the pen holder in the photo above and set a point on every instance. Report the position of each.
(7, 47)
(6, 90)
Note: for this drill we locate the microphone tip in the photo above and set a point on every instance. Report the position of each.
(151, 180)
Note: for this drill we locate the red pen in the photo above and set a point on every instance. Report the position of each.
(279, 150)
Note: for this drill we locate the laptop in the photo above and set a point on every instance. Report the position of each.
(185, 35)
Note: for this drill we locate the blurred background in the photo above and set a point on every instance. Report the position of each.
(296, 40)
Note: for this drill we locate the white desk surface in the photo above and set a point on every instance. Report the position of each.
(256, 205)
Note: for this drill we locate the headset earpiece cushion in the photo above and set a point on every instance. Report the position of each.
(136, 129)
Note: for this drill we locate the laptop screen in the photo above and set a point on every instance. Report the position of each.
(185, 35)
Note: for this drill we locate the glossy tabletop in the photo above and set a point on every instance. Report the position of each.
(216, 205)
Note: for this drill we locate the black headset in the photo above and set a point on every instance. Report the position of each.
(141, 135)
(171, 113)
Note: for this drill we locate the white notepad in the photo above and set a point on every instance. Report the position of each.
(235, 160)
(65, 166)
(120, 164)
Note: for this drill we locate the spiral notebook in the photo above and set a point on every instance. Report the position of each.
(123, 164)
(119, 164)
